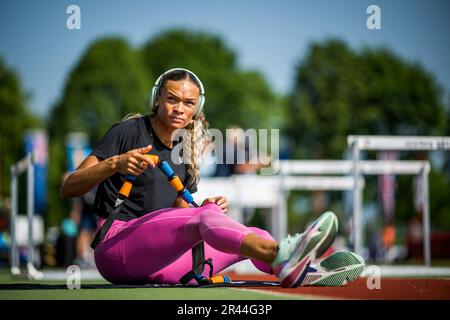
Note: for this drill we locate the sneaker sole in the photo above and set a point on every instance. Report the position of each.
(338, 269)
(318, 238)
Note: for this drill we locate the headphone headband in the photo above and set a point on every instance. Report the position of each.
(156, 88)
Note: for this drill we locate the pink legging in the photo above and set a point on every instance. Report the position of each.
(156, 248)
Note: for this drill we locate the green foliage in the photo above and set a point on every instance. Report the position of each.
(439, 204)
(16, 119)
(57, 208)
(106, 84)
(439, 194)
(339, 91)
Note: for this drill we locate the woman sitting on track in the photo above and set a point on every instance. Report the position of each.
(151, 240)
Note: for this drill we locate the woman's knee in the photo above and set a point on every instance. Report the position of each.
(262, 233)
(211, 207)
(208, 212)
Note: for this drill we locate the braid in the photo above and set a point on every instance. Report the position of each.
(194, 146)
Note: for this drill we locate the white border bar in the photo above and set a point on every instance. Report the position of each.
(400, 142)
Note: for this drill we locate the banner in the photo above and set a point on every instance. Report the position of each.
(37, 141)
(77, 149)
(387, 185)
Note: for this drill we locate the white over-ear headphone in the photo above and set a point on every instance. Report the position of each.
(156, 88)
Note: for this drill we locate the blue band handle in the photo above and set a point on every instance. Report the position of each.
(131, 178)
(186, 195)
(166, 169)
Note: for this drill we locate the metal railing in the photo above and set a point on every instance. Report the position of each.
(24, 165)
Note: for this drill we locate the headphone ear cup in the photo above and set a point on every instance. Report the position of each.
(200, 104)
(153, 97)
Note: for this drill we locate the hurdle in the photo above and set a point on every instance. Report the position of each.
(270, 191)
(366, 167)
(307, 175)
(358, 143)
(25, 164)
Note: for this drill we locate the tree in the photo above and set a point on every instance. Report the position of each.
(339, 91)
(16, 119)
(106, 84)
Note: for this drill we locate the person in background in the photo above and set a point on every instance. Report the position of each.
(82, 213)
(244, 162)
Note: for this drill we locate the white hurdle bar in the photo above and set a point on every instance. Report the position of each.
(345, 167)
(268, 192)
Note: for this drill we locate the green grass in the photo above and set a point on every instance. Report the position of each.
(133, 293)
(140, 294)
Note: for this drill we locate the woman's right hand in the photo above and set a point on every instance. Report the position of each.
(134, 162)
(94, 170)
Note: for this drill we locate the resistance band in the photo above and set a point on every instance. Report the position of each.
(198, 252)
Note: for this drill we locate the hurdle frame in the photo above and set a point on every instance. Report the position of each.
(25, 164)
(272, 192)
(358, 143)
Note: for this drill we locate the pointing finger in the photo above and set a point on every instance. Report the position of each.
(145, 150)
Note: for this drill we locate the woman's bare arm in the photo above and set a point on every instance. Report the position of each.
(91, 172)
(180, 203)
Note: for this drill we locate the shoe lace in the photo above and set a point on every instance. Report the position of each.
(290, 239)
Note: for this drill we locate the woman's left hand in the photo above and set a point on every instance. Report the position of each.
(222, 202)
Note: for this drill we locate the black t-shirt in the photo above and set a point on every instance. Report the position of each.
(151, 190)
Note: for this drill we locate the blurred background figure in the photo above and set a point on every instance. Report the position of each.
(64, 241)
(86, 221)
(81, 224)
(76, 232)
(388, 240)
(4, 235)
(239, 156)
(415, 238)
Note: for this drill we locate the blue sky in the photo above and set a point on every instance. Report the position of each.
(271, 36)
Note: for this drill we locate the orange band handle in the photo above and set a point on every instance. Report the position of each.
(176, 184)
(126, 188)
(220, 279)
(153, 157)
(217, 279)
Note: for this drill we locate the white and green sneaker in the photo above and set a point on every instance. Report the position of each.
(296, 253)
(335, 270)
